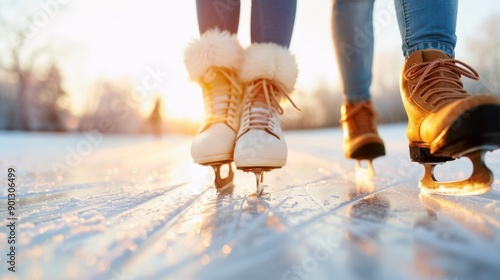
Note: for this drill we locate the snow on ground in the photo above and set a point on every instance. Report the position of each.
(135, 207)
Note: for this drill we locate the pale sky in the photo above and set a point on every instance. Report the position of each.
(116, 38)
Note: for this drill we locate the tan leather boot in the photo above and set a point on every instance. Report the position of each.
(442, 116)
(446, 122)
(361, 139)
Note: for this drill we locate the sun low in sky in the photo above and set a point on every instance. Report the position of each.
(114, 39)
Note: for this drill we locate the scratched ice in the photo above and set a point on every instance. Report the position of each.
(138, 208)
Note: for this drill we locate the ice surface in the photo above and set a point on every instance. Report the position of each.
(137, 208)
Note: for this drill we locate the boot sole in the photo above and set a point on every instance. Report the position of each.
(260, 163)
(211, 160)
(368, 151)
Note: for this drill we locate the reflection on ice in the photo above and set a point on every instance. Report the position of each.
(158, 216)
(469, 218)
(367, 214)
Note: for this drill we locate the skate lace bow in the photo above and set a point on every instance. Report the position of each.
(221, 102)
(261, 102)
(361, 115)
(433, 73)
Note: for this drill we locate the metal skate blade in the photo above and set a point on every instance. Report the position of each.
(478, 183)
(364, 172)
(223, 183)
(259, 178)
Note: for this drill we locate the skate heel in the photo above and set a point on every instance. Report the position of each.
(423, 155)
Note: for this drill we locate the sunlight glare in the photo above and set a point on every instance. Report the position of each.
(185, 103)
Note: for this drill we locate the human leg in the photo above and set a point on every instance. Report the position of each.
(352, 32)
(272, 21)
(220, 14)
(427, 24)
(269, 72)
(444, 120)
(213, 61)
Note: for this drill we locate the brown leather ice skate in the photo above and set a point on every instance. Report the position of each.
(446, 122)
(361, 139)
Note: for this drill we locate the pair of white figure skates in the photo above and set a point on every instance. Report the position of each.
(242, 90)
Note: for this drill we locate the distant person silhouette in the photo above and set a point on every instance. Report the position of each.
(155, 119)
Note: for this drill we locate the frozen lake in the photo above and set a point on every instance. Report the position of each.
(134, 207)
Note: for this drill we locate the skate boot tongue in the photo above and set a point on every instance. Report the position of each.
(222, 95)
(220, 105)
(261, 104)
(259, 116)
(437, 78)
(433, 55)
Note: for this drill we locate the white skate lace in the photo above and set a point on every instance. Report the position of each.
(261, 102)
(221, 103)
(361, 118)
(439, 71)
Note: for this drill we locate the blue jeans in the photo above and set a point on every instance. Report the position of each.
(272, 20)
(424, 24)
(352, 30)
(427, 24)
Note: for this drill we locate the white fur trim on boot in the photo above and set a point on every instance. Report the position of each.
(215, 48)
(269, 61)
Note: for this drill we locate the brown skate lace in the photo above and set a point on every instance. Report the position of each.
(221, 103)
(361, 118)
(265, 94)
(434, 72)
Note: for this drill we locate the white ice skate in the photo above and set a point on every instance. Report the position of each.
(213, 62)
(270, 73)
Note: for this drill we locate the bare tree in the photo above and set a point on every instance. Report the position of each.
(23, 72)
(50, 93)
(24, 61)
(23, 64)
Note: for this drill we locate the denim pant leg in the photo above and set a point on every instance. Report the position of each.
(222, 14)
(272, 21)
(352, 30)
(427, 24)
